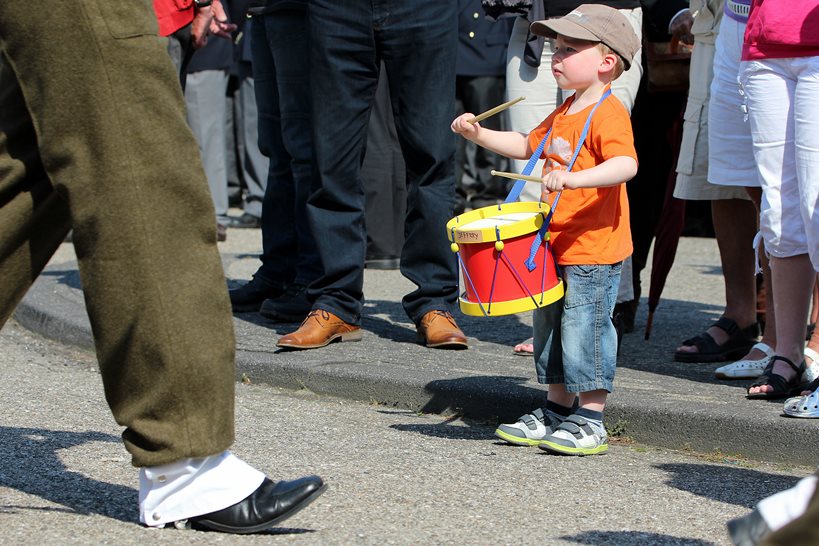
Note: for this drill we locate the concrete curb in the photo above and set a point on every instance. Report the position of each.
(652, 407)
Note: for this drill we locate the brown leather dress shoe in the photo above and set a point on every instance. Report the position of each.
(438, 330)
(319, 329)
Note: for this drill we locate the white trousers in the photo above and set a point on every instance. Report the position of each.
(730, 149)
(782, 97)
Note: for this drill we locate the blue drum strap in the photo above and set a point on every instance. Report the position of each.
(514, 193)
(530, 262)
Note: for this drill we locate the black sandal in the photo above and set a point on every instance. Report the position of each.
(740, 341)
(812, 386)
(782, 388)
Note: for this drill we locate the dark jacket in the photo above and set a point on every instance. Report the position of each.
(481, 42)
(216, 55)
(261, 7)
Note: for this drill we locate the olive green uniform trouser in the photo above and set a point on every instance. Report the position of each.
(93, 136)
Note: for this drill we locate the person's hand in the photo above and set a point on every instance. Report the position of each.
(681, 28)
(555, 180)
(467, 130)
(210, 20)
(200, 26)
(219, 25)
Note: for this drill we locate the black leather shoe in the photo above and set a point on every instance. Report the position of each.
(271, 503)
(249, 297)
(292, 306)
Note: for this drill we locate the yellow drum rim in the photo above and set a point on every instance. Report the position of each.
(512, 307)
(482, 235)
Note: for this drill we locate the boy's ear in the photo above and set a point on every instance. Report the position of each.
(609, 62)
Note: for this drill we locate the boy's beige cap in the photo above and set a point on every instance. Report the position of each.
(595, 23)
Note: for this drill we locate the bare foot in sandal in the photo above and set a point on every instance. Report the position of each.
(779, 379)
(814, 385)
(525, 348)
(720, 337)
(724, 340)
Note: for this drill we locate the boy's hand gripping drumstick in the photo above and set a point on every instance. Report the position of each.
(516, 176)
(495, 110)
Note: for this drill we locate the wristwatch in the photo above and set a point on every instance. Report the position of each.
(202, 3)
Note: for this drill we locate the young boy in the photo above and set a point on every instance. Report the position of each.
(575, 342)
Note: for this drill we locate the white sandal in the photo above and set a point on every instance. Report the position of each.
(747, 369)
(806, 407)
(812, 371)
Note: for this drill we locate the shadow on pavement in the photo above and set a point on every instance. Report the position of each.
(68, 277)
(630, 538)
(474, 429)
(31, 464)
(467, 396)
(739, 486)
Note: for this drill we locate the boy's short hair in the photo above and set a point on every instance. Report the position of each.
(594, 23)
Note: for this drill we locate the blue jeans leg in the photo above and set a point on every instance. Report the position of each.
(421, 38)
(281, 70)
(417, 42)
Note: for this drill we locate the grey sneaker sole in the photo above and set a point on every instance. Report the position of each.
(560, 449)
(517, 440)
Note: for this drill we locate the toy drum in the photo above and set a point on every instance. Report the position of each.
(493, 245)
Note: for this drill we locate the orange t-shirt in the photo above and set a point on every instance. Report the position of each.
(590, 225)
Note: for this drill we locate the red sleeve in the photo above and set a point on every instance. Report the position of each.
(172, 15)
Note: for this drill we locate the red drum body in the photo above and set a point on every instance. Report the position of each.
(493, 244)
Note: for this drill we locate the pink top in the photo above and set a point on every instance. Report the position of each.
(780, 29)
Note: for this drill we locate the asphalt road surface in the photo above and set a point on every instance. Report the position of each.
(395, 477)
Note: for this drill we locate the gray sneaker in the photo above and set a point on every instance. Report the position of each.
(529, 429)
(576, 436)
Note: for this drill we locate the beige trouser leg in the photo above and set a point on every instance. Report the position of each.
(114, 158)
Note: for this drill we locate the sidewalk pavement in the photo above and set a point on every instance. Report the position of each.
(656, 400)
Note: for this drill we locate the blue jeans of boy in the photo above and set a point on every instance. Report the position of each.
(575, 339)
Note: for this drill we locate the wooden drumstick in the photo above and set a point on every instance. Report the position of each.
(495, 110)
(516, 176)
